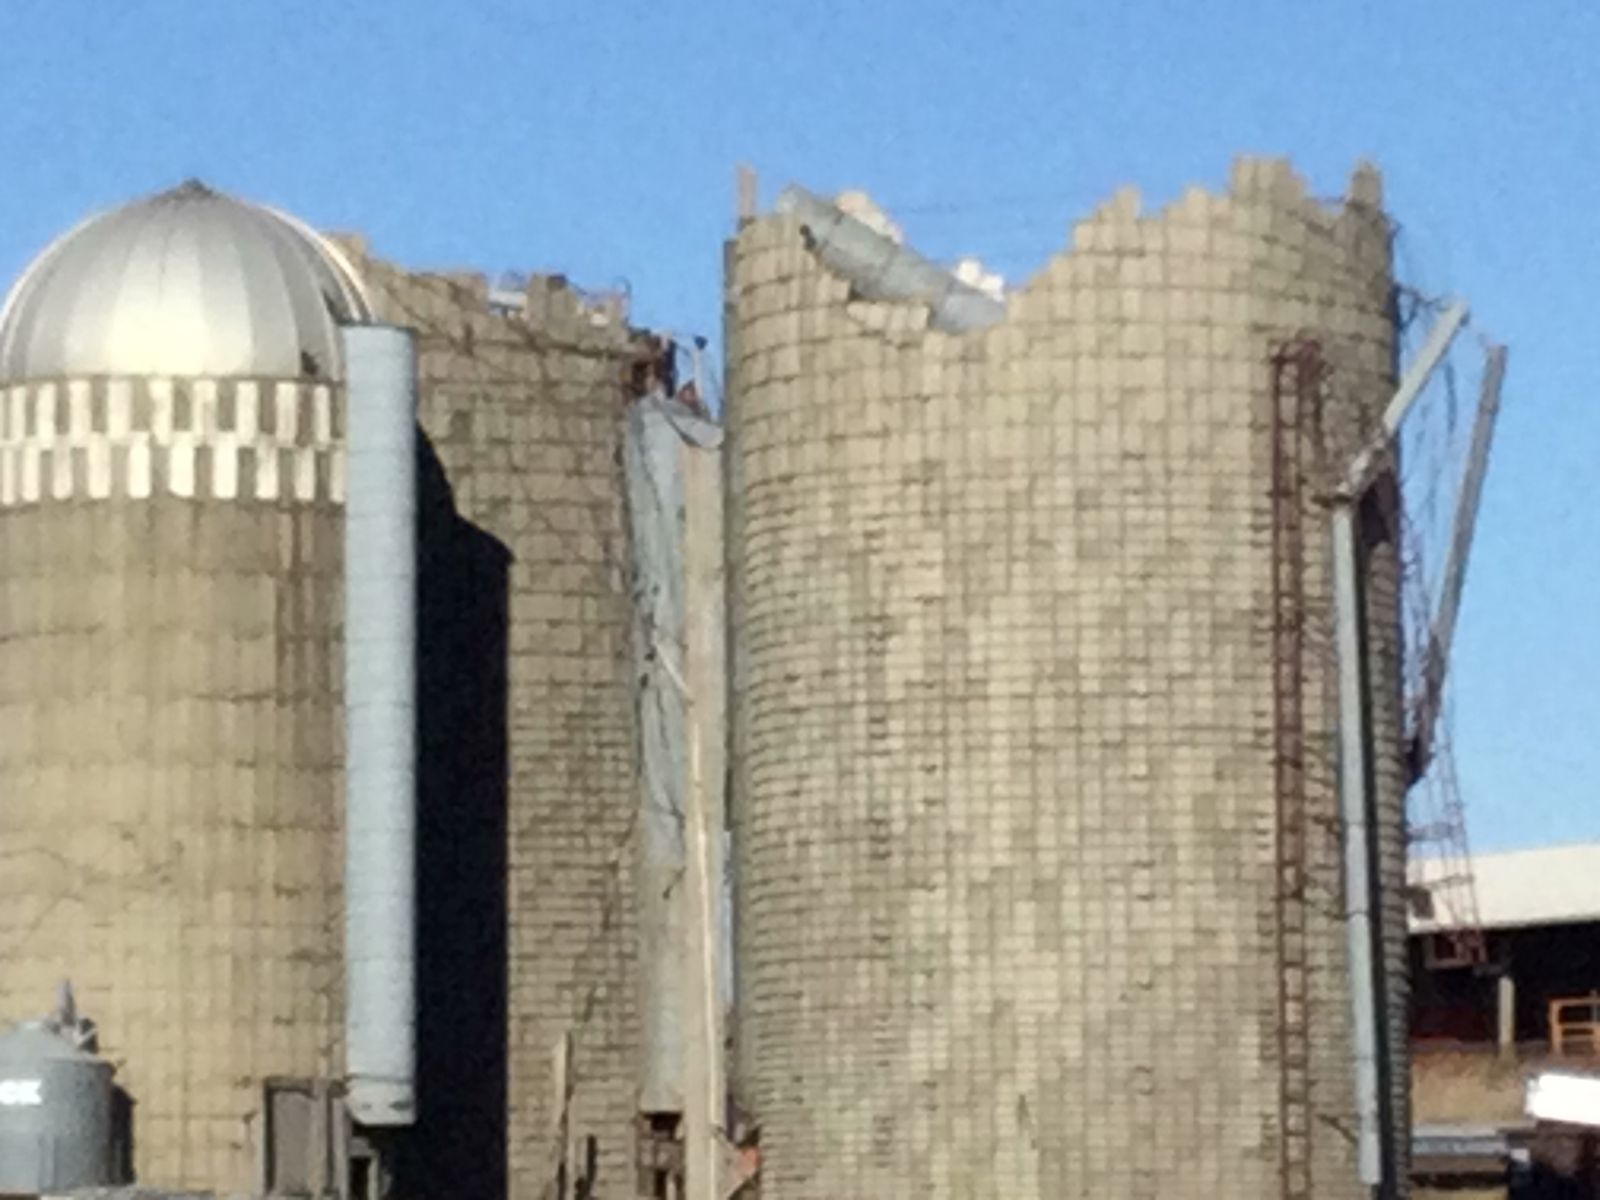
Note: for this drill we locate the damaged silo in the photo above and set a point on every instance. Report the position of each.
(530, 1029)
(1035, 807)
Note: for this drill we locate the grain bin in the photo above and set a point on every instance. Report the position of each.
(1034, 801)
(55, 1113)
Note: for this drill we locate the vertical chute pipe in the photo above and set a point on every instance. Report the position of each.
(380, 622)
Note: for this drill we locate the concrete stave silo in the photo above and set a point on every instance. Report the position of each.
(1026, 907)
(171, 532)
(170, 528)
(529, 753)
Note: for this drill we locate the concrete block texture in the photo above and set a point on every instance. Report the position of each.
(1011, 907)
(523, 415)
(171, 758)
(169, 761)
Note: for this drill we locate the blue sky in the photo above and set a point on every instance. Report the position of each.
(599, 138)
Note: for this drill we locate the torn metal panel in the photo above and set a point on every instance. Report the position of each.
(879, 268)
(660, 431)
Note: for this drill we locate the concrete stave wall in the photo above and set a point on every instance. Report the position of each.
(1003, 793)
(173, 583)
(525, 414)
(169, 752)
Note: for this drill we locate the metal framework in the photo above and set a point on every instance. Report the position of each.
(1356, 774)
(1442, 634)
(1453, 896)
(1431, 769)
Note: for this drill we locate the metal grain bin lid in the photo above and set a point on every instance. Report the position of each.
(31, 1042)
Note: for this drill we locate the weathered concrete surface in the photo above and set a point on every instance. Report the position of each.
(170, 728)
(1004, 802)
(525, 414)
(169, 762)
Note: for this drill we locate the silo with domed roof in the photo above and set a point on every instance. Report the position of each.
(170, 528)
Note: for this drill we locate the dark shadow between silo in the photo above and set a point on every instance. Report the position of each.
(121, 1165)
(459, 1144)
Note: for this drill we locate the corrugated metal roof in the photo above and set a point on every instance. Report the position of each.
(1552, 885)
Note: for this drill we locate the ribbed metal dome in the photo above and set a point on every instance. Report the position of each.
(190, 282)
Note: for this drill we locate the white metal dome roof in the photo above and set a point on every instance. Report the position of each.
(189, 282)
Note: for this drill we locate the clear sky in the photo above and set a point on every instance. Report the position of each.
(599, 138)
